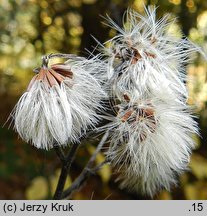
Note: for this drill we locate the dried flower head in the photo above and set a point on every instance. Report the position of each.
(144, 54)
(60, 103)
(151, 132)
(149, 144)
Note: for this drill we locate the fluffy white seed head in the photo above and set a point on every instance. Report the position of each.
(85, 96)
(145, 53)
(151, 143)
(59, 105)
(42, 116)
(151, 132)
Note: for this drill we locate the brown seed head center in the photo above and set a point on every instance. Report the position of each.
(52, 76)
(146, 116)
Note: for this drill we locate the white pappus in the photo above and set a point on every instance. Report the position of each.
(59, 105)
(151, 143)
(151, 132)
(144, 53)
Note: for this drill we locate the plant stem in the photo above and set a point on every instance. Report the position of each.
(60, 154)
(66, 164)
(88, 170)
(82, 178)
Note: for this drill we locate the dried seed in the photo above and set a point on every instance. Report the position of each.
(41, 74)
(126, 116)
(59, 68)
(57, 76)
(126, 97)
(32, 82)
(52, 81)
(150, 55)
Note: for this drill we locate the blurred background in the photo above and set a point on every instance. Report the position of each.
(31, 28)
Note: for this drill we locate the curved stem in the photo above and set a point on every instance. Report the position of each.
(46, 58)
(61, 55)
(66, 56)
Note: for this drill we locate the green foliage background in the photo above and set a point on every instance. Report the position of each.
(31, 28)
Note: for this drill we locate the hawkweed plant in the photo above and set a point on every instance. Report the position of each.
(147, 125)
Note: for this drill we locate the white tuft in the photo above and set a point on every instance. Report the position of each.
(56, 115)
(150, 150)
(151, 139)
(144, 54)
